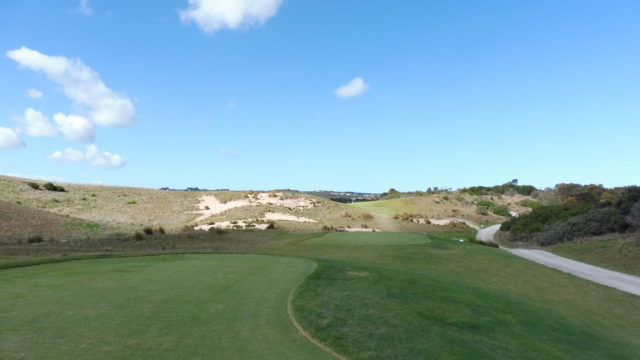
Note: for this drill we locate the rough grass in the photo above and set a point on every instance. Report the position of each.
(19, 222)
(160, 307)
(450, 300)
(616, 252)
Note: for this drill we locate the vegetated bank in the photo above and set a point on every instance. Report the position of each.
(574, 215)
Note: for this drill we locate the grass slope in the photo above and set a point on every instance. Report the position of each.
(19, 222)
(444, 299)
(160, 307)
(621, 253)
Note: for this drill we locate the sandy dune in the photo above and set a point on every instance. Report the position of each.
(210, 205)
(286, 217)
(448, 221)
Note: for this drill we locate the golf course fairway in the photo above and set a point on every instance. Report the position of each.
(155, 307)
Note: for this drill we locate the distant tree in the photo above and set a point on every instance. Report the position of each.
(514, 182)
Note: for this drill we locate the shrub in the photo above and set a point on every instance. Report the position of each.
(51, 187)
(271, 226)
(501, 211)
(148, 230)
(137, 236)
(161, 230)
(532, 204)
(132, 202)
(366, 217)
(486, 203)
(34, 186)
(35, 239)
(93, 195)
(482, 210)
(83, 199)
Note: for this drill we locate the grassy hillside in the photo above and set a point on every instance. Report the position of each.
(447, 205)
(19, 223)
(615, 252)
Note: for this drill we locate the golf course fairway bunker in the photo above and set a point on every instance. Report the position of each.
(155, 307)
(369, 238)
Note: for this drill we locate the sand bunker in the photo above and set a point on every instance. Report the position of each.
(286, 217)
(210, 205)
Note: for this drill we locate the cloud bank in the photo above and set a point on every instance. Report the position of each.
(35, 124)
(91, 156)
(9, 139)
(353, 88)
(215, 15)
(80, 83)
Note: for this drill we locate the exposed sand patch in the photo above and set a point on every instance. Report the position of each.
(210, 205)
(447, 221)
(229, 225)
(286, 217)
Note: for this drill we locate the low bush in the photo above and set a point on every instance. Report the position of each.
(161, 230)
(51, 187)
(35, 239)
(482, 210)
(366, 217)
(501, 211)
(34, 186)
(137, 236)
(532, 204)
(271, 226)
(132, 202)
(486, 203)
(148, 230)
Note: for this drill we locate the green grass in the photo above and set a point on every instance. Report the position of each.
(369, 239)
(615, 254)
(450, 300)
(160, 307)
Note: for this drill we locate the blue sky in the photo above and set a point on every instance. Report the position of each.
(218, 94)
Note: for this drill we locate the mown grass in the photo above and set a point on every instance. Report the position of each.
(447, 299)
(621, 253)
(160, 307)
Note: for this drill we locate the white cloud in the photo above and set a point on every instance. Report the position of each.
(84, 8)
(353, 88)
(34, 94)
(81, 84)
(74, 127)
(214, 15)
(229, 152)
(68, 155)
(9, 139)
(35, 124)
(91, 156)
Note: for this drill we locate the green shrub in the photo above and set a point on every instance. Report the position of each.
(34, 186)
(532, 204)
(148, 230)
(132, 202)
(501, 211)
(271, 226)
(486, 203)
(51, 187)
(482, 210)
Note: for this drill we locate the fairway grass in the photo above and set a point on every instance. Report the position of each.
(444, 299)
(369, 239)
(158, 307)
